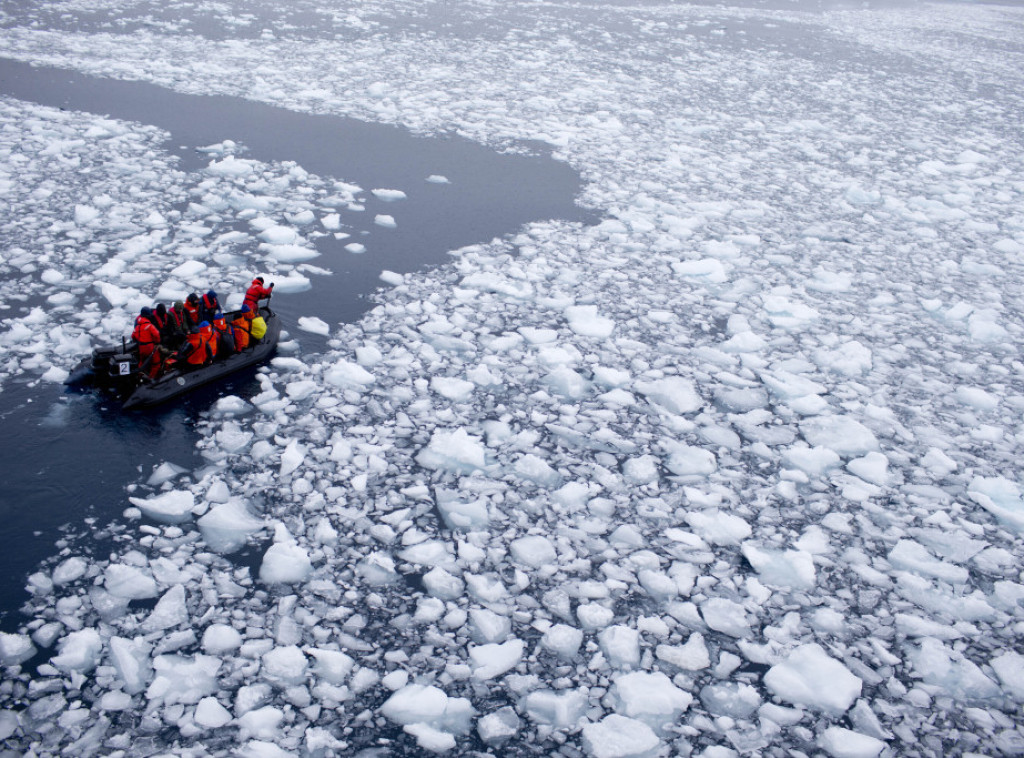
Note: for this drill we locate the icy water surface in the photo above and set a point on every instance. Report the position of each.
(71, 456)
(733, 472)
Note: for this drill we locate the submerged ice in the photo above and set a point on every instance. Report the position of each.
(734, 471)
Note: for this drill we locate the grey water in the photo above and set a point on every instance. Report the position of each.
(70, 456)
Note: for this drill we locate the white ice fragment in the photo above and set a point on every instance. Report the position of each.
(1000, 497)
(845, 743)
(131, 660)
(691, 656)
(563, 640)
(333, 666)
(1009, 667)
(284, 666)
(620, 645)
(355, 248)
(719, 527)
(534, 551)
(292, 284)
(594, 616)
(440, 584)
(181, 679)
(810, 677)
(494, 659)
(226, 527)
(438, 179)
(430, 738)
(456, 451)
(498, 727)
(946, 668)
(562, 710)
(55, 374)
(220, 639)
(292, 457)
(388, 195)
(210, 714)
(348, 375)
(938, 463)
(69, 570)
(285, 563)
(585, 321)
(231, 166)
(849, 359)
(872, 468)
(382, 219)
(170, 611)
(813, 461)
(793, 569)
(744, 342)
(15, 649)
(78, 651)
(452, 388)
(913, 556)
(617, 736)
(675, 394)
(85, 214)
(130, 582)
(687, 460)
(314, 325)
(416, 703)
(535, 469)
(726, 616)
(843, 434)
(703, 270)
(173, 507)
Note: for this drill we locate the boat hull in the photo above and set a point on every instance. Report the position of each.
(139, 393)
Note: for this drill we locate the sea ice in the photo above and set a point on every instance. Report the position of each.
(810, 677)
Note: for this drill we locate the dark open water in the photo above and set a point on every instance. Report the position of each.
(69, 456)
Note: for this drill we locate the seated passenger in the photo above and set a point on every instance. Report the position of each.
(179, 324)
(241, 326)
(257, 328)
(147, 337)
(209, 338)
(209, 306)
(224, 336)
(192, 307)
(194, 353)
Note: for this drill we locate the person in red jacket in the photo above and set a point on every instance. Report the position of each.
(209, 338)
(257, 292)
(209, 306)
(192, 308)
(242, 326)
(194, 353)
(147, 337)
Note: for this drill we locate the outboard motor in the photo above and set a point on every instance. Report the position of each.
(123, 369)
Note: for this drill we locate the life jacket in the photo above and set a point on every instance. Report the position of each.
(178, 321)
(160, 323)
(209, 339)
(195, 349)
(225, 336)
(255, 293)
(145, 335)
(258, 328)
(192, 309)
(208, 307)
(241, 328)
